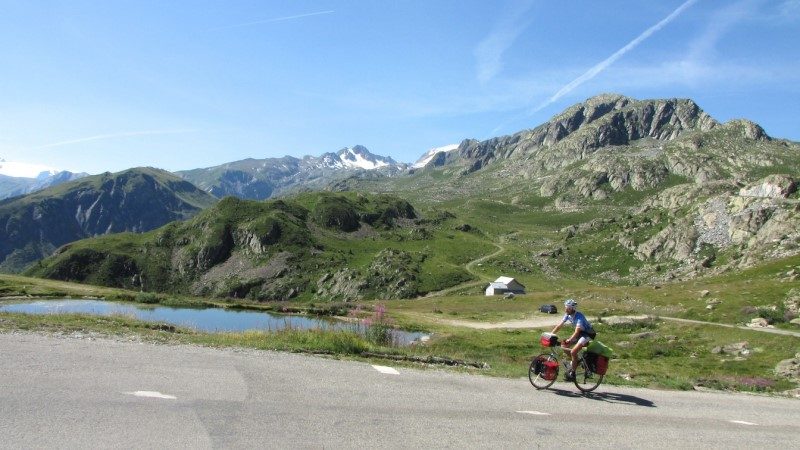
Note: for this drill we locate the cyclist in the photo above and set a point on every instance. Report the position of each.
(581, 337)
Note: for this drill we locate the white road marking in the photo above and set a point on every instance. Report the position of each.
(535, 413)
(386, 370)
(742, 422)
(151, 394)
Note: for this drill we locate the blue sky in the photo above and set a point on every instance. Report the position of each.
(107, 85)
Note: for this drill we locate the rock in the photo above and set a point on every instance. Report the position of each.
(676, 241)
(759, 322)
(773, 186)
(614, 320)
(704, 293)
(793, 393)
(789, 368)
(712, 303)
(792, 302)
(739, 348)
(645, 335)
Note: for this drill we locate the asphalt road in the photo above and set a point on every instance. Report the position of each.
(63, 392)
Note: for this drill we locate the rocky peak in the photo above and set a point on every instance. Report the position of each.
(360, 157)
(618, 120)
(604, 120)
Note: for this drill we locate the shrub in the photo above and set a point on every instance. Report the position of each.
(147, 297)
(772, 314)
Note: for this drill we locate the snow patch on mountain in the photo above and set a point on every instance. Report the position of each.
(425, 159)
(355, 157)
(25, 170)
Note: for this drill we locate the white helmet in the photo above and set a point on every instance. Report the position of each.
(571, 303)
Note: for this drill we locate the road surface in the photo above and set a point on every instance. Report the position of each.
(64, 392)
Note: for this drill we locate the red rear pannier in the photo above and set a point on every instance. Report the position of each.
(550, 370)
(602, 365)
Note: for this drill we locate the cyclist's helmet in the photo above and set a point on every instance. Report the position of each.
(571, 303)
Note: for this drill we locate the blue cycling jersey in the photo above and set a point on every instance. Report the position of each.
(578, 319)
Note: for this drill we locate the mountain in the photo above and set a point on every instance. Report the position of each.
(12, 186)
(436, 152)
(652, 189)
(611, 190)
(137, 200)
(317, 245)
(260, 179)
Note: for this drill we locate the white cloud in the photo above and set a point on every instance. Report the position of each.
(790, 9)
(101, 137)
(277, 19)
(489, 52)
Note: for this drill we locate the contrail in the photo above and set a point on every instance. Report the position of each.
(591, 73)
(101, 137)
(277, 19)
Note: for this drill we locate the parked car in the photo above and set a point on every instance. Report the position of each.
(549, 309)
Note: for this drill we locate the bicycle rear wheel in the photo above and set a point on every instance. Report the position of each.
(538, 380)
(585, 379)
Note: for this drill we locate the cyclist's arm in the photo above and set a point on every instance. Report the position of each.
(558, 327)
(574, 338)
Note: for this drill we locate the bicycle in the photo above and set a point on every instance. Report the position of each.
(544, 368)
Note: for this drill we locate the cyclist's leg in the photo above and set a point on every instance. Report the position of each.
(582, 342)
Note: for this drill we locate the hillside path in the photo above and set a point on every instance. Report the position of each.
(539, 322)
(469, 267)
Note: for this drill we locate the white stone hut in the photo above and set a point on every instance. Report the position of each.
(504, 285)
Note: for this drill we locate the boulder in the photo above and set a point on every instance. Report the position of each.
(773, 186)
(759, 322)
(644, 335)
(789, 368)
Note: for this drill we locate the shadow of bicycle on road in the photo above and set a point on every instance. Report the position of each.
(608, 397)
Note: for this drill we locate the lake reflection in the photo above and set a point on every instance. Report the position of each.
(209, 319)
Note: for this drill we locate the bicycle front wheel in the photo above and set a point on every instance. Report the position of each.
(542, 379)
(585, 379)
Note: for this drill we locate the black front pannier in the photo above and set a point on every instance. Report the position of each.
(591, 360)
(538, 366)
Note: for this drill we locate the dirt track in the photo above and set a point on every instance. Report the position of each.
(551, 321)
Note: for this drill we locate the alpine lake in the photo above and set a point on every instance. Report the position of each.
(209, 320)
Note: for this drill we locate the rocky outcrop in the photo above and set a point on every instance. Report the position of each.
(789, 368)
(761, 226)
(677, 241)
(773, 186)
(392, 274)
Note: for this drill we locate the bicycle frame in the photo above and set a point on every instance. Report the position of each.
(542, 371)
